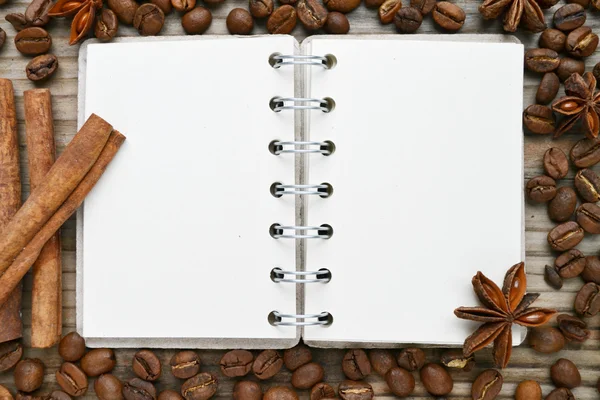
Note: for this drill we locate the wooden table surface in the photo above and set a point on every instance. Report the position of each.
(525, 363)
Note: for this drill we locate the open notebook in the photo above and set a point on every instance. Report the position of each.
(402, 175)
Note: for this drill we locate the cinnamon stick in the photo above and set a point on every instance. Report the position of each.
(46, 292)
(64, 176)
(11, 326)
(17, 270)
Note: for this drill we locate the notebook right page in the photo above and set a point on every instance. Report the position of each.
(427, 185)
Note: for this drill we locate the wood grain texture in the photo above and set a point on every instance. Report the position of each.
(525, 363)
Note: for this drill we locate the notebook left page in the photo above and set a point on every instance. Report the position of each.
(174, 247)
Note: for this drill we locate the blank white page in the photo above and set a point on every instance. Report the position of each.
(427, 185)
(176, 239)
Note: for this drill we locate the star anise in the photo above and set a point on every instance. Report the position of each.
(581, 104)
(525, 12)
(85, 14)
(501, 309)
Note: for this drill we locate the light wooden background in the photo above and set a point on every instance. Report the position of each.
(525, 363)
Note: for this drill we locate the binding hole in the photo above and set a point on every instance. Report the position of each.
(326, 231)
(275, 148)
(274, 231)
(328, 318)
(272, 318)
(274, 103)
(329, 104)
(273, 62)
(276, 192)
(331, 61)
(276, 274)
(326, 274)
(327, 191)
(329, 147)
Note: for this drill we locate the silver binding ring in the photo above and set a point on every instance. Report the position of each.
(322, 232)
(277, 60)
(277, 319)
(323, 190)
(321, 276)
(326, 148)
(278, 104)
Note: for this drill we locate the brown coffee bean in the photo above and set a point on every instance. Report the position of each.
(283, 20)
(552, 39)
(570, 263)
(33, 41)
(587, 184)
(436, 379)
(586, 153)
(236, 363)
(322, 391)
(5, 394)
(573, 328)
(337, 23)
(183, 5)
(487, 385)
(456, 359)
(196, 21)
(556, 163)
(382, 361)
(57, 395)
(124, 9)
(10, 354)
(267, 364)
(18, 21)
(107, 25)
(408, 20)
(36, 13)
(541, 60)
(565, 236)
(72, 379)
(400, 381)
(582, 42)
(448, 16)
(29, 374)
(98, 361)
(201, 387)
(539, 119)
(548, 88)
(353, 390)
(108, 387)
(552, 278)
(560, 394)
(149, 19)
(185, 364)
(545, 339)
(582, 3)
(547, 3)
(596, 71)
(388, 10)
(169, 395)
(164, 5)
(541, 189)
(296, 357)
(146, 365)
(562, 206)
(591, 272)
(239, 22)
(138, 389)
(587, 301)
(261, 8)
(588, 216)
(528, 390)
(25, 396)
(247, 390)
(565, 374)
(569, 17)
(307, 376)
(280, 393)
(356, 365)
(343, 6)
(569, 66)
(424, 6)
(411, 359)
(312, 14)
(373, 3)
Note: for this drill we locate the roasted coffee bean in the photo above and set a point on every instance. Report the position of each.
(2, 38)
(565, 374)
(239, 22)
(573, 328)
(108, 387)
(261, 8)
(280, 393)
(587, 301)
(565, 236)
(588, 216)
(373, 3)
(307, 376)
(98, 361)
(539, 119)
(18, 21)
(541, 60)
(296, 357)
(247, 390)
(169, 395)
(267, 364)
(586, 153)
(456, 359)
(138, 389)
(29, 374)
(183, 5)
(33, 41)
(283, 20)
(528, 390)
(388, 10)
(72, 379)
(424, 6)
(356, 365)
(337, 23)
(146, 365)
(569, 17)
(236, 363)
(570, 264)
(448, 16)
(382, 361)
(411, 359)
(107, 25)
(196, 21)
(556, 163)
(10, 354)
(582, 42)
(552, 39)
(587, 184)
(541, 189)
(185, 364)
(548, 88)
(36, 14)
(560, 394)
(408, 20)
(591, 272)
(353, 390)
(552, 278)
(547, 3)
(57, 395)
(582, 3)
(149, 19)
(436, 379)
(562, 206)
(568, 66)
(5, 394)
(343, 6)
(71, 347)
(124, 9)
(487, 385)
(164, 5)
(400, 381)
(201, 387)
(25, 396)
(322, 391)
(312, 14)
(545, 339)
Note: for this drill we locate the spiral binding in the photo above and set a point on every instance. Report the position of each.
(304, 103)
(322, 232)
(322, 190)
(326, 148)
(321, 276)
(277, 60)
(278, 318)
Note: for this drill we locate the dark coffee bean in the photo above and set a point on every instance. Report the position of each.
(183, 5)
(108, 387)
(236, 363)
(239, 22)
(569, 17)
(487, 385)
(296, 357)
(547, 3)
(411, 359)
(29, 374)
(36, 14)
(124, 10)
(283, 20)
(201, 387)
(146, 365)
(400, 381)
(98, 361)
(185, 364)
(72, 379)
(588, 216)
(388, 10)
(582, 42)
(337, 23)
(261, 8)
(71, 347)
(280, 393)
(552, 278)
(528, 390)
(570, 263)
(247, 390)
(582, 3)
(587, 301)
(596, 71)
(587, 184)
(169, 395)
(541, 60)
(552, 39)
(18, 21)
(107, 25)
(382, 361)
(591, 272)
(25, 396)
(560, 394)
(164, 5)
(10, 354)
(58, 395)
(343, 6)
(312, 14)
(539, 119)
(373, 3)
(138, 389)
(33, 41)
(356, 365)
(196, 21)
(456, 359)
(541, 189)
(307, 376)
(448, 16)
(408, 20)
(556, 163)
(586, 153)
(353, 390)
(288, 2)
(565, 236)
(436, 379)
(149, 19)
(572, 328)
(267, 364)
(565, 374)
(424, 6)
(322, 391)
(545, 339)
(562, 206)
(548, 88)
(568, 66)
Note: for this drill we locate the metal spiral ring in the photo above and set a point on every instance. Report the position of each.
(277, 232)
(322, 190)
(323, 318)
(278, 104)
(277, 60)
(321, 276)
(324, 148)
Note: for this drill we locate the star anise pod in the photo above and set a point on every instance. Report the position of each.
(85, 14)
(525, 12)
(501, 309)
(581, 104)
